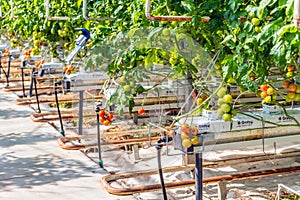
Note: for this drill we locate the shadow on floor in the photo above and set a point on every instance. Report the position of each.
(30, 137)
(10, 113)
(33, 171)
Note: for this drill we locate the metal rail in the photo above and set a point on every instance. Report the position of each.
(68, 144)
(10, 11)
(47, 100)
(186, 183)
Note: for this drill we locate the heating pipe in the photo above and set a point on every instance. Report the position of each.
(169, 18)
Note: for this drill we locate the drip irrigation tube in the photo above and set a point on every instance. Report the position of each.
(22, 76)
(0, 63)
(8, 69)
(36, 92)
(100, 162)
(160, 171)
(31, 82)
(58, 110)
(198, 176)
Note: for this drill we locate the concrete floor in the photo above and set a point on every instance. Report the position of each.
(32, 166)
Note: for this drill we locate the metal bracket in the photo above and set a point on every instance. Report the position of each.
(10, 11)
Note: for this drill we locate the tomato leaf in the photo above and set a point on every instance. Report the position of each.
(79, 3)
(131, 104)
(248, 83)
(289, 8)
(140, 89)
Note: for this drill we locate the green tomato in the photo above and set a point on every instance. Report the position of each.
(127, 88)
(227, 98)
(226, 117)
(268, 99)
(166, 32)
(233, 113)
(220, 112)
(225, 108)
(122, 79)
(220, 101)
(255, 21)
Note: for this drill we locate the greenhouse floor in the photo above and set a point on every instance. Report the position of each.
(32, 166)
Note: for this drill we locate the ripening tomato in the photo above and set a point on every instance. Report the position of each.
(141, 111)
(65, 68)
(264, 87)
(263, 94)
(110, 116)
(102, 119)
(106, 122)
(102, 113)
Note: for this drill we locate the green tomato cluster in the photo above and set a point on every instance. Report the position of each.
(226, 110)
(127, 83)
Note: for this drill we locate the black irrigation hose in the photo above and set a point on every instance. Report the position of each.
(100, 162)
(22, 76)
(0, 63)
(8, 70)
(31, 82)
(36, 93)
(198, 176)
(158, 147)
(4, 72)
(58, 110)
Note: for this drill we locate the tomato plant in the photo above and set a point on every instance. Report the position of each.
(257, 40)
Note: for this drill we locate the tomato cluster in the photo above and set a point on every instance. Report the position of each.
(291, 71)
(14, 42)
(267, 94)
(225, 102)
(68, 69)
(105, 117)
(189, 135)
(39, 63)
(291, 85)
(293, 91)
(6, 52)
(28, 53)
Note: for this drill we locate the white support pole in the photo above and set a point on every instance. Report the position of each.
(297, 13)
(12, 14)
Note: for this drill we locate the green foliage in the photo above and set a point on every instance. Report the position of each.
(253, 36)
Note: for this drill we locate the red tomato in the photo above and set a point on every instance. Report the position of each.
(264, 87)
(141, 111)
(102, 119)
(102, 113)
(110, 116)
